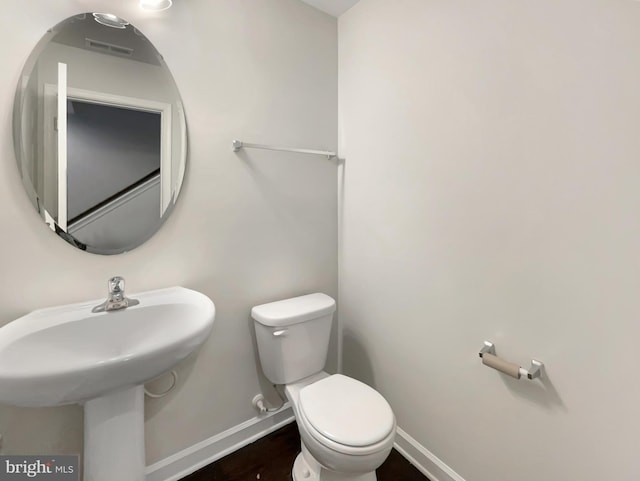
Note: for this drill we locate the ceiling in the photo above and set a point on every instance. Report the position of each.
(332, 7)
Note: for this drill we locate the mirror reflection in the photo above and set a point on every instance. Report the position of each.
(100, 134)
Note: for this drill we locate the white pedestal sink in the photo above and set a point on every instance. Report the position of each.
(67, 354)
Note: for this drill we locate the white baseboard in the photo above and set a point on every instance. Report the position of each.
(427, 463)
(189, 460)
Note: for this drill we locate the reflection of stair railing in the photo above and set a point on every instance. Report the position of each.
(115, 201)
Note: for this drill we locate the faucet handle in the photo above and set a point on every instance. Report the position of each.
(116, 298)
(116, 284)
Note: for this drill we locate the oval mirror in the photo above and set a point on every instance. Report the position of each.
(99, 133)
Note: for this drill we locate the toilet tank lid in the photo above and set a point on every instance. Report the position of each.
(294, 310)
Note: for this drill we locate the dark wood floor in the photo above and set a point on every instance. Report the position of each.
(271, 459)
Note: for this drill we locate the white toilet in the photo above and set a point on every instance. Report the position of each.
(347, 428)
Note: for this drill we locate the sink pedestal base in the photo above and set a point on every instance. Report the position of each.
(114, 437)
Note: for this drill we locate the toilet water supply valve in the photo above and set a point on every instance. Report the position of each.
(260, 406)
(258, 403)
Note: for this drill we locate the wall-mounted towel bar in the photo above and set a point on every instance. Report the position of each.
(489, 358)
(239, 144)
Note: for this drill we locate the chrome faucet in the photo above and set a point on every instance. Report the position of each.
(116, 298)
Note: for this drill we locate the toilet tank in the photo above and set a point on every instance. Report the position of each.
(293, 336)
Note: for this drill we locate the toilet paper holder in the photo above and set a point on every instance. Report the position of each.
(509, 368)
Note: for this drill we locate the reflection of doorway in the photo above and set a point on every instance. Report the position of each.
(111, 151)
(112, 123)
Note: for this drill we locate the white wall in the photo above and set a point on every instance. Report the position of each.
(247, 228)
(491, 192)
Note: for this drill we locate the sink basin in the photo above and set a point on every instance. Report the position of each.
(68, 354)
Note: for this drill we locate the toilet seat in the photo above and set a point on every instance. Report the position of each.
(346, 415)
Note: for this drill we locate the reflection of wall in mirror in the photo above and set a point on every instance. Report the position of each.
(117, 226)
(25, 119)
(108, 74)
(29, 148)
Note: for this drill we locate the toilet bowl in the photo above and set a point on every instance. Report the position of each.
(347, 428)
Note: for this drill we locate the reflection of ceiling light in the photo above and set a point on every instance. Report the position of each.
(110, 20)
(155, 5)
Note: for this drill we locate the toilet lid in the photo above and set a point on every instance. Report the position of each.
(346, 411)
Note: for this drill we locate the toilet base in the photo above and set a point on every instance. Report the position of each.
(302, 471)
(306, 468)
